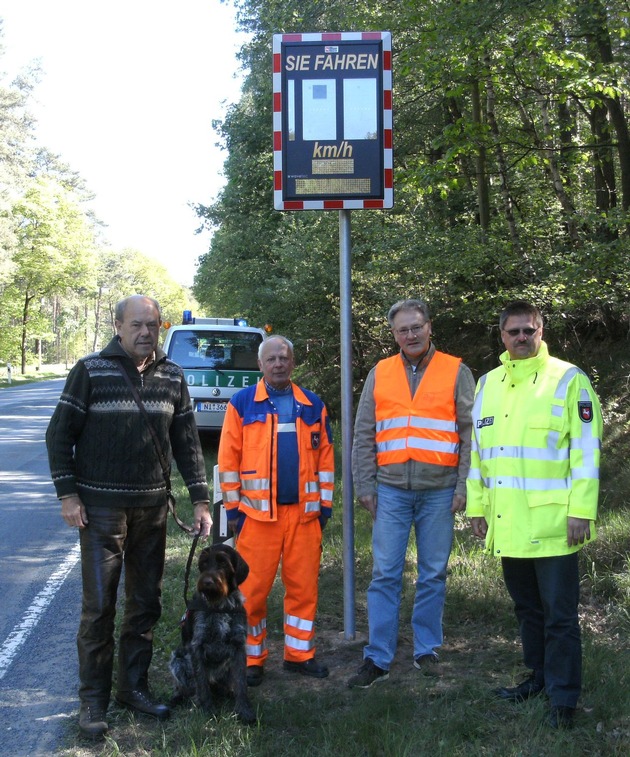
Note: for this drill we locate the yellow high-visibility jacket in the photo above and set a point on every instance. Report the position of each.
(537, 429)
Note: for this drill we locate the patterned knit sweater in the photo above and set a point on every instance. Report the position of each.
(99, 444)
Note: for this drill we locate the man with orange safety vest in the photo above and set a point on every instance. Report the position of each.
(410, 459)
(276, 468)
(532, 493)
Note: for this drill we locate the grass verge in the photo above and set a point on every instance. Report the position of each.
(409, 715)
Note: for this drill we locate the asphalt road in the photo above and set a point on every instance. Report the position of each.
(40, 583)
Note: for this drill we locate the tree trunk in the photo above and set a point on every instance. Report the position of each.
(483, 195)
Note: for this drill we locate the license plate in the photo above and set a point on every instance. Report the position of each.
(211, 407)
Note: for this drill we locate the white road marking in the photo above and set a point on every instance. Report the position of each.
(33, 614)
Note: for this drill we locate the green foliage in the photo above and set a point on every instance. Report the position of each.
(548, 146)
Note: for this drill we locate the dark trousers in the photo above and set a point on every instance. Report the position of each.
(113, 536)
(545, 591)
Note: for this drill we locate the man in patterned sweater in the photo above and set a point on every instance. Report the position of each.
(108, 476)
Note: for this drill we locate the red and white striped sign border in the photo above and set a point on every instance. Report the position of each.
(388, 151)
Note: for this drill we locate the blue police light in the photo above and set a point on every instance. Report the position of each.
(240, 321)
(187, 318)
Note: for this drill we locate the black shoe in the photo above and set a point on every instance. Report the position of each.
(561, 717)
(530, 687)
(255, 675)
(92, 721)
(141, 701)
(428, 665)
(310, 668)
(367, 675)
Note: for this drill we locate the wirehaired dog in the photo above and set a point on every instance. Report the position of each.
(211, 662)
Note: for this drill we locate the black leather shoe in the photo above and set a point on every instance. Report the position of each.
(530, 687)
(561, 717)
(92, 721)
(141, 701)
(255, 675)
(307, 668)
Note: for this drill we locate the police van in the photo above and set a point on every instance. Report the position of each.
(219, 356)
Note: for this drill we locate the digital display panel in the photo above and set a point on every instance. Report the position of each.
(332, 121)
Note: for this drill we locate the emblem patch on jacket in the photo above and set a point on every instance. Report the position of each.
(488, 421)
(315, 439)
(585, 409)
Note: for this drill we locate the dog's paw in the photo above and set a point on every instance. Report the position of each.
(246, 714)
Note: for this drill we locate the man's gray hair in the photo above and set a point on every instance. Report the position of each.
(283, 339)
(121, 306)
(418, 305)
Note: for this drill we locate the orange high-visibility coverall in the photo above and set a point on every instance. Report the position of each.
(248, 474)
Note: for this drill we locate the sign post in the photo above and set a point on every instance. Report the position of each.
(332, 133)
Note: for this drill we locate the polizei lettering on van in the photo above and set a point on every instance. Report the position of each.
(213, 378)
(223, 379)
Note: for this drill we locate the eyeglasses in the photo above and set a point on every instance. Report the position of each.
(412, 331)
(527, 332)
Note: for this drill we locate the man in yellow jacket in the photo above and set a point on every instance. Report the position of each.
(532, 493)
(276, 468)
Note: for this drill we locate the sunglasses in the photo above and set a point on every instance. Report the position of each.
(527, 332)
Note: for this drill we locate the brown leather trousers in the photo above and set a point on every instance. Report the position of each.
(135, 538)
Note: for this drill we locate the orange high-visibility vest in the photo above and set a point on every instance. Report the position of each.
(423, 427)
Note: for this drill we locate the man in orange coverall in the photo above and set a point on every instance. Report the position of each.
(276, 467)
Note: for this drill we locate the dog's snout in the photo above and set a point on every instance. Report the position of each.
(213, 584)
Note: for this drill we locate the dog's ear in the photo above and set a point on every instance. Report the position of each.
(241, 569)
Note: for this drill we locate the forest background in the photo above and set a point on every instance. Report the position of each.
(512, 179)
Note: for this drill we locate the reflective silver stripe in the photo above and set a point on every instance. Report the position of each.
(256, 504)
(585, 471)
(474, 474)
(325, 477)
(326, 494)
(524, 453)
(415, 442)
(432, 424)
(299, 623)
(433, 445)
(249, 484)
(232, 495)
(257, 630)
(391, 445)
(312, 507)
(527, 484)
(255, 650)
(229, 477)
(563, 384)
(388, 423)
(303, 646)
(415, 421)
(476, 411)
(311, 487)
(588, 443)
(284, 428)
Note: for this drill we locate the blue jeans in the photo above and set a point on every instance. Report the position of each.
(429, 511)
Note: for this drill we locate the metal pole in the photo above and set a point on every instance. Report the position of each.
(345, 290)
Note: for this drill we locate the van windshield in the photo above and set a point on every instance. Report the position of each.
(216, 350)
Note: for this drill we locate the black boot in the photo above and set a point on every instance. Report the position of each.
(93, 720)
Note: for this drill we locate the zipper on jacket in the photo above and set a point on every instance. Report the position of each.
(271, 457)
